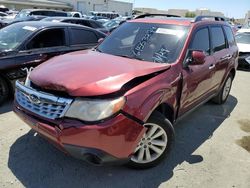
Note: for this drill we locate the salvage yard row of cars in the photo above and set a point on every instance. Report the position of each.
(117, 102)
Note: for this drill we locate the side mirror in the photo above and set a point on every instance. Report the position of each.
(100, 40)
(197, 58)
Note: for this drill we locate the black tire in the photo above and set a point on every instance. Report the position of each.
(158, 119)
(219, 99)
(4, 90)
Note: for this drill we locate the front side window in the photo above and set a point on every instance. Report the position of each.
(218, 39)
(201, 41)
(47, 39)
(158, 43)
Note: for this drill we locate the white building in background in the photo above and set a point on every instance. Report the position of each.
(30, 4)
(85, 6)
(247, 18)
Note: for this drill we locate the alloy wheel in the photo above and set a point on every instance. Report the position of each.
(226, 89)
(152, 145)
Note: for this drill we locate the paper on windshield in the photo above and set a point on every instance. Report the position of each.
(29, 28)
(178, 33)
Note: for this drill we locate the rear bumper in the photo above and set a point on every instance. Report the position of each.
(111, 141)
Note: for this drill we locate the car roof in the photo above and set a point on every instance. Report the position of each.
(66, 18)
(175, 21)
(43, 24)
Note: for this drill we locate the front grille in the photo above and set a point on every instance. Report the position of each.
(43, 104)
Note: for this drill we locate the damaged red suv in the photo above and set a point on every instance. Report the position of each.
(118, 102)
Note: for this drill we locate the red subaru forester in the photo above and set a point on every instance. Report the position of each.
(118, 102)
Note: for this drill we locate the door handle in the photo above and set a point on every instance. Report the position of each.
(211, 66)
(226, 57)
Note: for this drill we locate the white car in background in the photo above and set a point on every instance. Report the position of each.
(243, 41)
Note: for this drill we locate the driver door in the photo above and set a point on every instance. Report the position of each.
(46, 44)
(197, 79)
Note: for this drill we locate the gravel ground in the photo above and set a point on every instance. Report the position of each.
(212, 149)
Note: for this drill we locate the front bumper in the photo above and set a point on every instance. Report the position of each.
(107, 142)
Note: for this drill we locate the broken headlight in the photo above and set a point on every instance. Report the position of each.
(94, 110)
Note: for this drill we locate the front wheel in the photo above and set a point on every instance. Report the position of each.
(155, 144)
(224, 92)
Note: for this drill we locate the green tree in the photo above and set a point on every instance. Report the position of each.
(190, 14)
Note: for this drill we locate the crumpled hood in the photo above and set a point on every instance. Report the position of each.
(90, 73)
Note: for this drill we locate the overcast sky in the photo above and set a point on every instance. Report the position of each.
(231, 8)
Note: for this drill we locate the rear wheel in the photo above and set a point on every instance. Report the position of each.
(4, 90)
(224, 92)
(154, 145)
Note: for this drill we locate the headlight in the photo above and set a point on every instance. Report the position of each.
(94, 110)
(248, 59)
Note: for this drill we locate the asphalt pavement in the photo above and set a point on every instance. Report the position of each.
(212, 149)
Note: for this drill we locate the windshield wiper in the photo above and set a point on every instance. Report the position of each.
(98, 50)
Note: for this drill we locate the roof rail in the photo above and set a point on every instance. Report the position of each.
(154, 15)
(215, 18)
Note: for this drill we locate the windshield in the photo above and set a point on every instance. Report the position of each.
(111, 24)
(243, 38)
(12, 36)
(22, 14)
(158, 43)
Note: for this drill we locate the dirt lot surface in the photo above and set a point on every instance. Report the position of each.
(212, 149)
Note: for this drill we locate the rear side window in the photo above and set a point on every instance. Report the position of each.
(230, 36)
(218, 38)
(201, 41)
(82, 36)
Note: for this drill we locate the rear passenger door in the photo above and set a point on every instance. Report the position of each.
(221, 54)
(82, 38)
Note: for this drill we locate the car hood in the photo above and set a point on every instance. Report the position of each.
(243, 47)
(90, 73)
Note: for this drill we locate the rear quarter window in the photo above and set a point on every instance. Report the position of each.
(230, 36)
(82, 36)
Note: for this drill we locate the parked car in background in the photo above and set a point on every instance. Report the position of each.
(96, 17)
(27, 44)
(109, 15)
(3, 14)
(80, 21)
(103, 20)
(113, 24)
(40, 12)
(243, 42)
(75, 14)
(6, 22)
(3, 9)
(119, 102)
